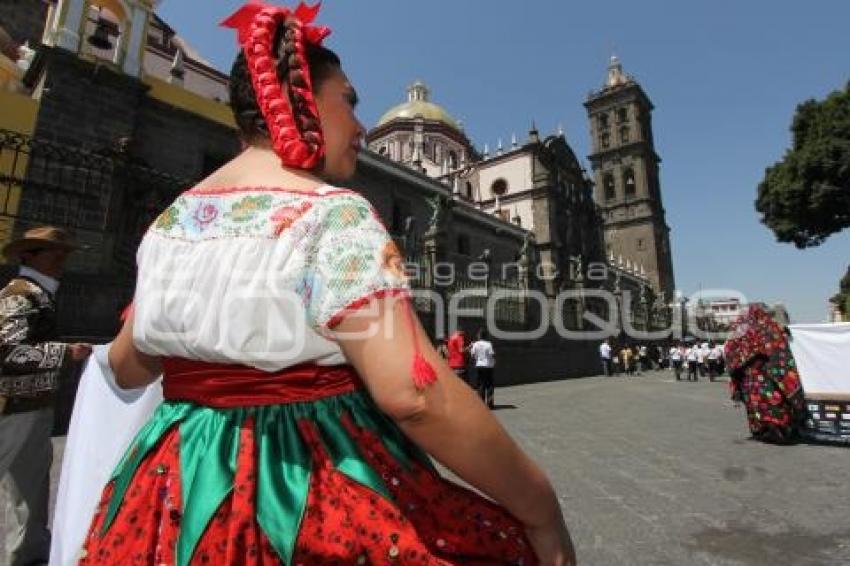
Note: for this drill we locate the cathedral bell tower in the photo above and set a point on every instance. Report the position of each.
(113, 30)
(627, 185)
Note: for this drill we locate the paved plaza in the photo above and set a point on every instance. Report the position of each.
(655, 472)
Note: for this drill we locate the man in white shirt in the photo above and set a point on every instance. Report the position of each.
(484, 359)
(605, 357)
(693, 362)
(676, 360)
(715, 353)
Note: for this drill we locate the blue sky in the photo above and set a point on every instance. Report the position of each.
(725, 78)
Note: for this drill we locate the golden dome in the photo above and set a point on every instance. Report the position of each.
(418, 106)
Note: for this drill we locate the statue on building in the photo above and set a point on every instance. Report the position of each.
(439, 207)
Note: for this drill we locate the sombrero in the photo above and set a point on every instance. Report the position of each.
(40, 238)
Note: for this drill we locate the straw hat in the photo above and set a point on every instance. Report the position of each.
(40, 238)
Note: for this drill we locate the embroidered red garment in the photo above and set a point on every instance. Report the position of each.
(431, 521)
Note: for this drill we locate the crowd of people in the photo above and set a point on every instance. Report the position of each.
(693, 359)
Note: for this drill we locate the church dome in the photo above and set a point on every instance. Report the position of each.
(418, 105)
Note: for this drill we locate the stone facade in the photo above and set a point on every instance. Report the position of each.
(23, 20)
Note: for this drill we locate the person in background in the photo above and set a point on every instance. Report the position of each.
(643, 357)
(31, 364)
(605, 357)
(676, 360)
(442, 348)
(628, 360)
(457, 348)
(692, 357)
(484, 358)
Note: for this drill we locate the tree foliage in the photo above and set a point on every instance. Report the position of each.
(805, 197)
(842, 299)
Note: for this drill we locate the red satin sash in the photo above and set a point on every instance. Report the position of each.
(226, 386)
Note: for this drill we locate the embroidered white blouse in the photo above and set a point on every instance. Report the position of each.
(259, 276)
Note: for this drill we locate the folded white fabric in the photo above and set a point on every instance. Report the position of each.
(104, 421)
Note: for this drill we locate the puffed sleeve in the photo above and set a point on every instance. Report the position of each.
(352, 260)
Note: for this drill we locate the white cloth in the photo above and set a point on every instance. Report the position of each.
(821, 352)
(483, 354)
(676, 354)
(258, 276)
(104, 421)
(605, 351)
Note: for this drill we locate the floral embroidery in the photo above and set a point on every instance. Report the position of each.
(335, 249)
(168, 219)
(346, 215)
(391, 259)
(285, 216)
(249, 207)
(204, 214)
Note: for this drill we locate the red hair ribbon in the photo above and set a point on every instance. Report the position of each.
(257, 24)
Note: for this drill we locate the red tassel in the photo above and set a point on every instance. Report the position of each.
(423, 372)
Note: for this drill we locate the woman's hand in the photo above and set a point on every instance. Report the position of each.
(552, 544)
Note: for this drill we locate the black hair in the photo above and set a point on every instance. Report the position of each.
(321, 63)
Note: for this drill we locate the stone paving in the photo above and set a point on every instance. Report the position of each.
(655, 472)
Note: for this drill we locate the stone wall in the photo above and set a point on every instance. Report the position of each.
(23, 20)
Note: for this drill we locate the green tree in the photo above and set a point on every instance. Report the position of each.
(842, 299)
(805, 197)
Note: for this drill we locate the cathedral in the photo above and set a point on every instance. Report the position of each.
(616, 216)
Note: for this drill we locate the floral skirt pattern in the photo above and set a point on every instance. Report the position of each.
(773, 412)
(326, 482)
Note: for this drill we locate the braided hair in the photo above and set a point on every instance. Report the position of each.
(321, 62)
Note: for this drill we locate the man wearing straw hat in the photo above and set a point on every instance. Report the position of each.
(30, 365)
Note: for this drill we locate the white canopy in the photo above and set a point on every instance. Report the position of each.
(822, 353)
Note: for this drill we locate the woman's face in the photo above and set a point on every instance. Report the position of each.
(343, 132)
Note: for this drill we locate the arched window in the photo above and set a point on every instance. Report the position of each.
(499, 187)
(604, 140)
(624, 134)
(608, 185)
(629, 182)
(622, 114)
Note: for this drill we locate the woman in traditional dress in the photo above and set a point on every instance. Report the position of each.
(764, 376)
(301, 393)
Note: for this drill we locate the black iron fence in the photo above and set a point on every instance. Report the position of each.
(105, 197)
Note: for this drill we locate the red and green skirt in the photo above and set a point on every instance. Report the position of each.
(327, 481)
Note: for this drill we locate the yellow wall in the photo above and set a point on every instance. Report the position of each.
(17, 113)
(181, 98)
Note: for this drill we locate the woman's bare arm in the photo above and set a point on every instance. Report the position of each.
(131, 367)
(447, 419)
